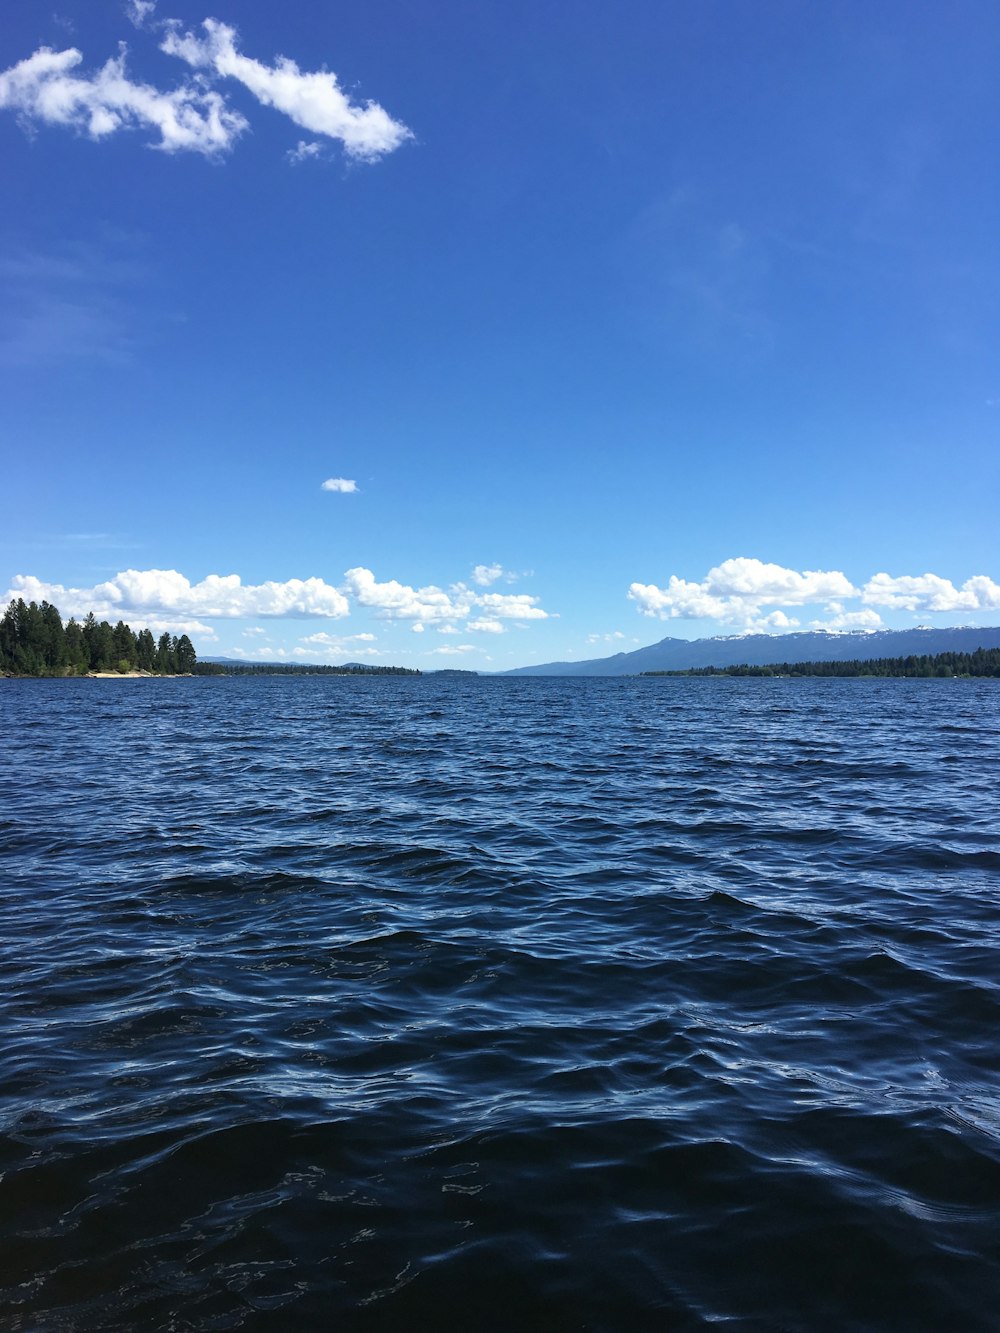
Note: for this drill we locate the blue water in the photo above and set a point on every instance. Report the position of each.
(499, 1004)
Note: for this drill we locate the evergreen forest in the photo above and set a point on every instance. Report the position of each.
(982, 662)
(34, 642)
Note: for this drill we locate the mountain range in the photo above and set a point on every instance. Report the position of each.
(763, 649)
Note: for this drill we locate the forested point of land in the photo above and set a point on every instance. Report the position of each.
(298, 669)
(34, 642)
(983, 662)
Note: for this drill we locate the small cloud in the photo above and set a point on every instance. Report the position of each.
(850, 620)
(417, 628)
(315, 101)
(342, 485)
(511, 606)
(484, 575)
(255, 629)
(448, 629)
(606, 638)
(139, 12)
(304, 152)
(449, 651)
(485, 626)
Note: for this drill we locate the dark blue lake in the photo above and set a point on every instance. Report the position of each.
(450, 1003)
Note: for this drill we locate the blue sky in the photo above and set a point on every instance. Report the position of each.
(603, 322)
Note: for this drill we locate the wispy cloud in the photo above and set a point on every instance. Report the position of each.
(139, 12)
(45, 89)
(70, 305)
(342, 485)
(305, 152)
(50, 88)
(315, 101)
(484, 575)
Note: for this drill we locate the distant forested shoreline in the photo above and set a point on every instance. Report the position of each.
(34, 642)
(299, 669)
(982, 662)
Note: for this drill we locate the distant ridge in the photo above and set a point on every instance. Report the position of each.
(762, 649)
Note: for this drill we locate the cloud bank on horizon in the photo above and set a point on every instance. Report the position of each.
(48, 88)
(739, 591)
(169, 597)
(743, 594)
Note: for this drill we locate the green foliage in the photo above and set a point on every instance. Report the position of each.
(34, 642)
(297, 669)
(982, 662)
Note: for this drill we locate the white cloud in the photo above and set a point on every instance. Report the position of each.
(735, 591)
(511, 606)
(165, 591)
(605, 638)
(315, 101)
(170, 625)
(304, 152)
(340, 484)
(448, 629)
(254, 629)
(930, 592)
(776, 620)
(417, 628)
(268, 654)
(850, 620)
(484, 575)
(485, 626)
(139, 12)
(44, 89)
(398, 601)
(337, 640)
(452, 651)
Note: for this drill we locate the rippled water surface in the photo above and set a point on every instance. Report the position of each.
(499, 1004)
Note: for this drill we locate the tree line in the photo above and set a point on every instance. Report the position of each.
(982, 662)
(34, 642)
(299, 669)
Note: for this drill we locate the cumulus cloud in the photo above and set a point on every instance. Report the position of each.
(484, 575)
(740, 592)
(340, 484)
(850, 620)
(606, 638)
(153, 592)
(315, 101)
(45, 89)
(398, 601)
(736, 591)
(930, 592)
(451, 651)
(485, 626)
(511, 606)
